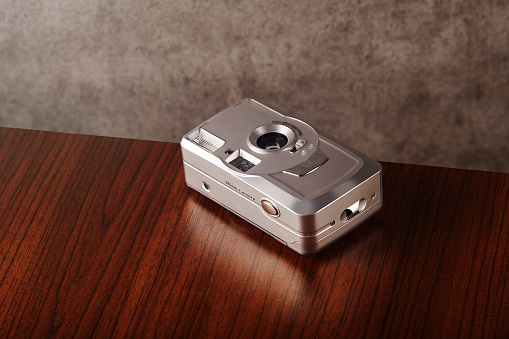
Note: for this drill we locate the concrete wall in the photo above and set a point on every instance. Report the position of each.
(423, 82)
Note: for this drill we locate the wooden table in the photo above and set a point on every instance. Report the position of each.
(101, 236)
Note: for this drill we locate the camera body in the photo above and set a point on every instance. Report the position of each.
(304, 188)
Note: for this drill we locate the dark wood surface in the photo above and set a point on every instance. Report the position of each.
(101, 236)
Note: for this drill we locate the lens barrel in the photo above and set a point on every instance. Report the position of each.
(272, 141)
(272, 137)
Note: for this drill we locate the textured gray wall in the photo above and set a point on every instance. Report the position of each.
(422, 82)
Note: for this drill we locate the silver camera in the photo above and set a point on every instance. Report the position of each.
(301, 186)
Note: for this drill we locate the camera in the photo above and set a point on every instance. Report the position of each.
(301, 186)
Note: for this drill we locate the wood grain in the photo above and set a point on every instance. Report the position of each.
(101, 237)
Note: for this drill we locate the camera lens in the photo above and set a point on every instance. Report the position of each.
(272, 141)
(271, 137)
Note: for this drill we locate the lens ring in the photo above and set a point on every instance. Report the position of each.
(272, 137)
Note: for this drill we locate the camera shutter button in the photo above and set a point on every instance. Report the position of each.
(270, 208)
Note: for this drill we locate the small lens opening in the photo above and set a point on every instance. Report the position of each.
(272, 141)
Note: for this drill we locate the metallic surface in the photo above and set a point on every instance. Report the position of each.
(309, 206)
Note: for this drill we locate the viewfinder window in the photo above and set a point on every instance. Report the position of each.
(242, 160)
(242, 164)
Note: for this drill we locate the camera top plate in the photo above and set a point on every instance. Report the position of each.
(267, 141)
